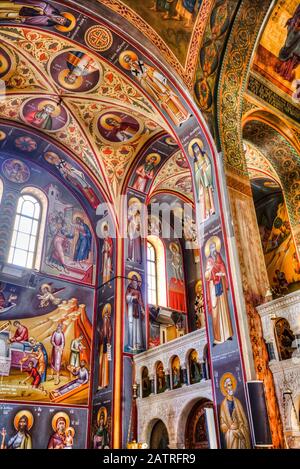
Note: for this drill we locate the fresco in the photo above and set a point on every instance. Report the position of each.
(173, 20)
(278, 58)
(101, 428)
(25, 426)
(44, 114)
(46, 346)
(276, 236)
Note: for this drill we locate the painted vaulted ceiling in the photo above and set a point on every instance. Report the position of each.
(186, 37)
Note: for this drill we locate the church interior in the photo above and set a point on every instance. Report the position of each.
(149, 224)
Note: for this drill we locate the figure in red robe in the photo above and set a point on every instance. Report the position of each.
(216, 288)
(21, 334)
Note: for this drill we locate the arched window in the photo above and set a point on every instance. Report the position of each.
(27, 238)
(151, 274)
(156, 271)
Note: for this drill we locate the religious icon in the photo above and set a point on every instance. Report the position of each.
(36, 13)
(145, 172)
(105, 334)
(118, 127)
(203, 179)
(6, 64)
(289, 55)
(23, 422)
(101, 438)
(73, 176)
(156, 85)
(217, 286)
(134, 230)
(161, 383)
(60, 424)
(199, 306)
(74, 70)
(176, 373)
(44, 114)
(16, 171)
(181, 161)
(176, 261)
(233, 421)
(194, 367)
(58, 344)
(107, 253)
(171, 142)
(135, 313)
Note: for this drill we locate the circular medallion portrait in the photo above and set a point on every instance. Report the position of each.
(44, 114)
(6, 63)
(181, 161)
(118, 127)
(16, 171)
(74, 70)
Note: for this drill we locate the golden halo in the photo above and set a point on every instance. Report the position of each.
(3, 64)
(122, 56)
(222, 382)
(194, 353)
(102, 410)
(174, 247)
(103, 121)
(69, 86)
(213, 239)
(134, 200)
(69, 16)
(198, 284)
(106, 309)
(70, 429)
(51, 157)
(2, 135)
(157, 158)
(20, 414)
(58, 416)
(57, 110)
(192, 142)
(131, 274)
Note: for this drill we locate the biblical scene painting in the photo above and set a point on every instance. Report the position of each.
(173, 20)
(32, 427)
(278, 54)
(69, 248)
(276, 237)
(45, 347)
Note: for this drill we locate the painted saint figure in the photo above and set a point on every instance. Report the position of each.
(76, 347)
(58, 345)
(41, 118)
(233, 421)
(60, 422)
(134, 231)
(135, 313)
(145, 172)
(118, 127)
(74, 176)
(105, 334)
(79, 65)
(289, 54)
(84, 242)
(107, 252)
(23, 422)
(34, 12)
(216, 287)
(101, 437)
(156, 85)
(203, 179)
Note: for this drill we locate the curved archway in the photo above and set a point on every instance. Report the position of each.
(195, 431)
(159, 438)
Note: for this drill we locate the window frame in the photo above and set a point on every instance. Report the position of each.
(152, 262)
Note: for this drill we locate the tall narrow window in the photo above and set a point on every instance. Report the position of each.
(151, 274)
(26, 231)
